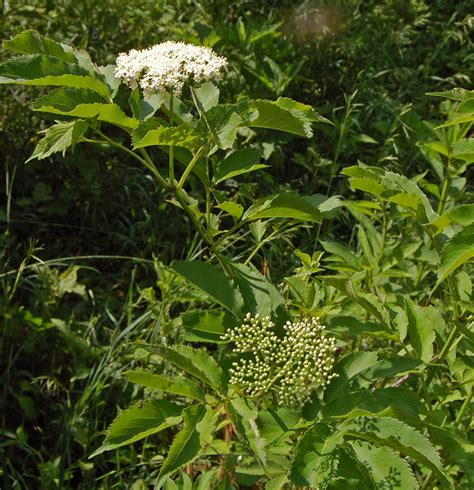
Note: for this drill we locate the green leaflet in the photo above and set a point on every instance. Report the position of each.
(32, 42)
(59, 138)
(244, 419)
(392, 433)
(421, 329)
(272, 115)
(45, 70)
(276, 423)
(392, 366)
(186, 446)
(456, 251)
(178, 385)
(237, 163)
(458, 94)
(110, 113)
(459, 448)
(287, 205)
(64, 100)
(387, 468)
(373, 401)
(212, 281)
(183, 135)
(258, 293)
(316, 459)
(139, 422)
(222, 121)
(206, 325)
(233, 208)
(195, 362)
(207, 96)
(463, 214)
(352, 326)
(348, 369)
(464, 149)
(392, 187)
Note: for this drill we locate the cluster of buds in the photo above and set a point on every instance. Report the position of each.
(288, 369)
(168, 66)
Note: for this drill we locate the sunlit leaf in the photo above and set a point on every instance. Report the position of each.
(178, 385)
(139, 422)
(59, 138)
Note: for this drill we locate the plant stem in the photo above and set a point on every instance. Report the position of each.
(171, 151)
(189, 168)
(146, 162)
(180, 197)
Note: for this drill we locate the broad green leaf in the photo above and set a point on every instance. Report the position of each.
(277, 483)
(401, 184)
(363, 171)
(207, 95)
(212, 281)
(179, 386)
(344, 253)
(458, 94)
(110, 113)
(276, 423)
(328, 206)
(237, 163)
(367, 185)
(59, 138)
(391, 367)
(244, 420)
(234, 209)
(258, 293)
(144, 108)
(456, 119)
(183, 135)
(196, 362)
(387, 468)
(186, 446)
(287, 205)
(373, 401)
(207, 479)
(316, 458)
(351, 473)
(464, 149)
(139, 422)
(45, 70)
(459, 448)
(206, 325)
(421, 329)
(31, 42)
(308, 112)
(65, 100)
(456, 251)
(223, 121)
(347, 369)
(462, 215)
(394, 434)
(271, 115)
(352, 326)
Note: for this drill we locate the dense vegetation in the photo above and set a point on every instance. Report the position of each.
(320, 180)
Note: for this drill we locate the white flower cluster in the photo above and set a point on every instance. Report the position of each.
(168, 66)
(289, 368)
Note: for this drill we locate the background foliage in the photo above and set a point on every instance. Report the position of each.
(86, 237)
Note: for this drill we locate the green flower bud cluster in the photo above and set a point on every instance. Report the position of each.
(288, 369)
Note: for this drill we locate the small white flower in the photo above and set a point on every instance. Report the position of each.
(168, 66)
(290, 368)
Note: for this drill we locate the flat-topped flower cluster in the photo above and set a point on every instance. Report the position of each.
(168, 66)
(290, 368)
